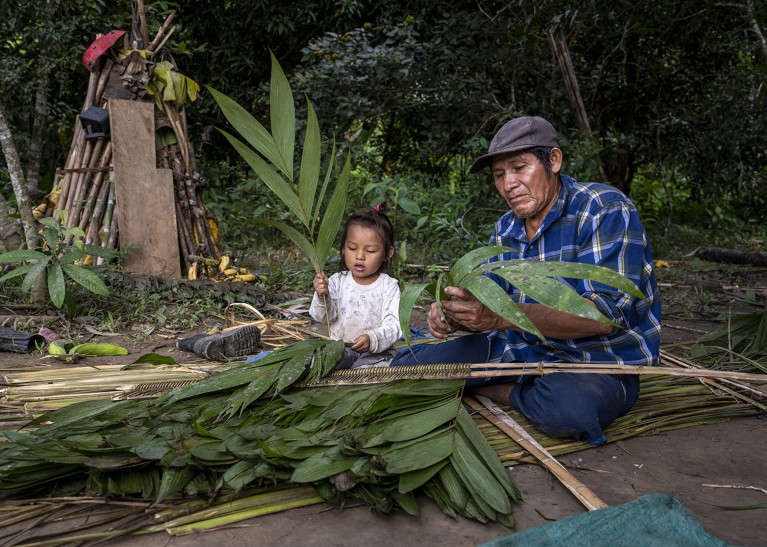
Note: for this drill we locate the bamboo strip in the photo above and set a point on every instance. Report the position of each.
(491, 370)
(113, 233)
(95, 187)
(678, 361)
(99, 209)
(77, 177)
(502, 420)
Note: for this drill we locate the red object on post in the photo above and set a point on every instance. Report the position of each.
(100, 46)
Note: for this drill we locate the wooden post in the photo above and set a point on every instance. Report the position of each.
(147, 213)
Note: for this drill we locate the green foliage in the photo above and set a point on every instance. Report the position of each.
(58, 261)
(272, 161)
(536, 279)
(248, 425)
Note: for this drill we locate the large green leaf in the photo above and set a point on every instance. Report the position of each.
(328, 175)
(475, 476)
(35, 271)
(309, 177)
(251, 129)
(333, 216)
(283, 115)
(471, 260)
(427, 451)
(271, 178)
(19, 255)
(323, 465)
(56, 285)
(554, 294)
(468, 428)
(300, 240)
(567, 270)
(16, 272)
(407, 301)
(86, 278)
(494, 297)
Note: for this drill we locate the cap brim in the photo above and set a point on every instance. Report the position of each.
(485, 161)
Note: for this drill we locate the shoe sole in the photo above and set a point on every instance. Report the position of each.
(227, 345)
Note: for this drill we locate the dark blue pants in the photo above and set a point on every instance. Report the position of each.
(561, 404)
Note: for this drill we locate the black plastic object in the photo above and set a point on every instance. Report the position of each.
(95, 121)
(19, 342)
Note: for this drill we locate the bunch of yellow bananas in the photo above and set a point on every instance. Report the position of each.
(223, 270)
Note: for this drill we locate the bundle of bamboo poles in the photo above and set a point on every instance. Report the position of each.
(84, 190)
(27, 394)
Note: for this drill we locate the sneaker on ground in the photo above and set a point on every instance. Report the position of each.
(228, 345)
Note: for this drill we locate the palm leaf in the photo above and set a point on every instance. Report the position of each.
(566, 270)
(310, 162)
(471, 260)
(411, 294)
(300, 240)
(325, 184)
(271, 178)
(494, 297)
(333, 216)
(251, 129)
(554, 294)
(283, 115)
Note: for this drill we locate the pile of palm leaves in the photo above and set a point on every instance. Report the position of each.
(244, 428)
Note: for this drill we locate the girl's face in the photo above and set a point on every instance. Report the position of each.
(363, 253)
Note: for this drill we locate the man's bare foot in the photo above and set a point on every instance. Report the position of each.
(500, 394)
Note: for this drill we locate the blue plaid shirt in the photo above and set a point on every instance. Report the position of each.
(590, 223)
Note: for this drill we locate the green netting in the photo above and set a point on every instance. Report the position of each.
(652, 520)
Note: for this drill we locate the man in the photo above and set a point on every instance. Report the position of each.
(553, 217)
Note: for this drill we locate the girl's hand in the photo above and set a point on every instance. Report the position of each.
(321, 284)
(361, 344)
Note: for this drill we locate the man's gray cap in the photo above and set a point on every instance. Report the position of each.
(518, 134)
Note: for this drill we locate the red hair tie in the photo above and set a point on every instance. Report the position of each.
(377, 208)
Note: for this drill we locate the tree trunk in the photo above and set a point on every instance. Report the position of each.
(16, 173)
(10, 228)
(38, 134)
(757, 29)
(730, 256)
(23, 202)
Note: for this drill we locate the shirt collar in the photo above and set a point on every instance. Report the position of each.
(517, 225)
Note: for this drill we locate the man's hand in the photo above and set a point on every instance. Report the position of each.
(463, 311)
(361, 344)
(321, 284)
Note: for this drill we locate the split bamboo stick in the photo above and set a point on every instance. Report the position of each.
(491, 370)
(518, 434)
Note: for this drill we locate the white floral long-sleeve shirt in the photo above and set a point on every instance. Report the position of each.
(356, 309)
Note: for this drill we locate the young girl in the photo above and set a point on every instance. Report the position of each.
(362, 299)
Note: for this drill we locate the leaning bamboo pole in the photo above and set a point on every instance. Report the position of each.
(518, 434)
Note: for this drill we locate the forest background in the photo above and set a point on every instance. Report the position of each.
(673, 94)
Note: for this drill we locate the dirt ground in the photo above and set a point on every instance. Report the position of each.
(707, 468)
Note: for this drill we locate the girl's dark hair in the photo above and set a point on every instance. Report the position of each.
(374, 219)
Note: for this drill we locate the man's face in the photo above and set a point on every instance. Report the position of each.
(522, 181)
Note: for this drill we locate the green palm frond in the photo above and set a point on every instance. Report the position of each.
(541, 281)
(271, 156)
